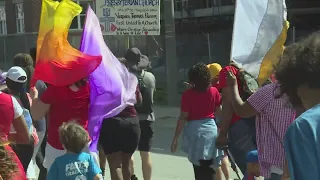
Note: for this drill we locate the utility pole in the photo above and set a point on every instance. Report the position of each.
(170, 52)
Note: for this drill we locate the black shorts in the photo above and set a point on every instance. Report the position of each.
(147, 131)
(24, 152)
(120, 135)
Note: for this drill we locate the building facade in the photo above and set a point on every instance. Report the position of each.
(203, 29)
(23, 16)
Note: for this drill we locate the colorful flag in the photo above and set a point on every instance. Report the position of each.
(259, 33)
(58, 63)
(112, 86)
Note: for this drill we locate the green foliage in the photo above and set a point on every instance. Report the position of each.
(160, 97)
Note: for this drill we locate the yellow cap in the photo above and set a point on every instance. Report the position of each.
(214, 69)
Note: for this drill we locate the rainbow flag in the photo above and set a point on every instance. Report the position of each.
(112, 86)
(259, 33)
(58, 63)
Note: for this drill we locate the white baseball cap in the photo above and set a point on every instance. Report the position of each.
(16, 74)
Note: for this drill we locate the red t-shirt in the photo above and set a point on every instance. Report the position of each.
(216, 85)
(200, 105)
(223, 84)
(65, 105)
(129, 111)
(7, 113)
(7, 116)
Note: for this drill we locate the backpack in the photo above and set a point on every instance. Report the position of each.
(249, 84)
(146, 106)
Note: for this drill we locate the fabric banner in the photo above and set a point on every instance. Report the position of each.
(259, 33)
(112, 86)
(58, 63)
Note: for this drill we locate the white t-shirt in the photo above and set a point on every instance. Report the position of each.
(16, 108)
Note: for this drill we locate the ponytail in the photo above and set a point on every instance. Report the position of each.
(24, 99)
(29, 71)
(81, 82)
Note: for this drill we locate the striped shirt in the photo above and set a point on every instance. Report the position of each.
(273, 120)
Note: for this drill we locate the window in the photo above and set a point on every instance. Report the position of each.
(78, 21)
(177, 5)
(3, 22)
(19, 18)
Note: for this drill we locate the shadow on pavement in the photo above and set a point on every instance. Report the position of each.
(164, 131)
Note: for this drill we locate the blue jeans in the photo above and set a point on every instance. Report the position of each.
(241, 141)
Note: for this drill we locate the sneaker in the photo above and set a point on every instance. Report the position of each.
(134, 177)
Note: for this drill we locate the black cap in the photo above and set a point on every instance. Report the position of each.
(136, 60)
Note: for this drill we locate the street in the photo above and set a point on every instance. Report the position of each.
(166, 165)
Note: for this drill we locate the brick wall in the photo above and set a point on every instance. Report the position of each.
(32, 10)
(10, 17)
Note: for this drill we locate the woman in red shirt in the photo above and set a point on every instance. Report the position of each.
(12, 113)
(199, 106)
(63, 104)
(119, 137)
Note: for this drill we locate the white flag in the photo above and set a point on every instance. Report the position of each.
(259, 33)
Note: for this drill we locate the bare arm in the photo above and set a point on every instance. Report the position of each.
(180, 124)
(22, 136)
(39, 109)
(286, 174)
(227, 112)
(242, 109)
(218, 112)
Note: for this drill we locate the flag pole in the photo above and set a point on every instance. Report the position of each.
(128, 42)
(234, 20)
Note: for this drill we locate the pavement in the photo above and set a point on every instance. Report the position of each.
(166, 165)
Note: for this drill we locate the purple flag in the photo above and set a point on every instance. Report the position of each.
(112, 86)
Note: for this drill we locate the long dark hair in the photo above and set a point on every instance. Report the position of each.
(81, 82)
(33, 54)
(199, 76)
(25, 61)
(19, 89)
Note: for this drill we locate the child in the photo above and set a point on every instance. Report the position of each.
(253, 166)
(75, 164)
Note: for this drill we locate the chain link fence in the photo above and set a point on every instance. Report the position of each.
(191, 48)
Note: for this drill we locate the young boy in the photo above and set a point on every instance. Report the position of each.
(253, 166)
(75, 164)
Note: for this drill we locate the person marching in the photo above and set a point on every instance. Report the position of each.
(12, 114)
(215, 69)
(119, 136)
(16, 79)
(147, 86)
(75, 164)
(63, 104)
(199, 106)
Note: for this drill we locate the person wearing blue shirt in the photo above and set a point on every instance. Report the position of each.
(298, 75)
(75, 164)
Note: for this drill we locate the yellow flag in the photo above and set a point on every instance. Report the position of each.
(58, 63)
(46, 21)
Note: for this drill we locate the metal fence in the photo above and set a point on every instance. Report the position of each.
(191, 48)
